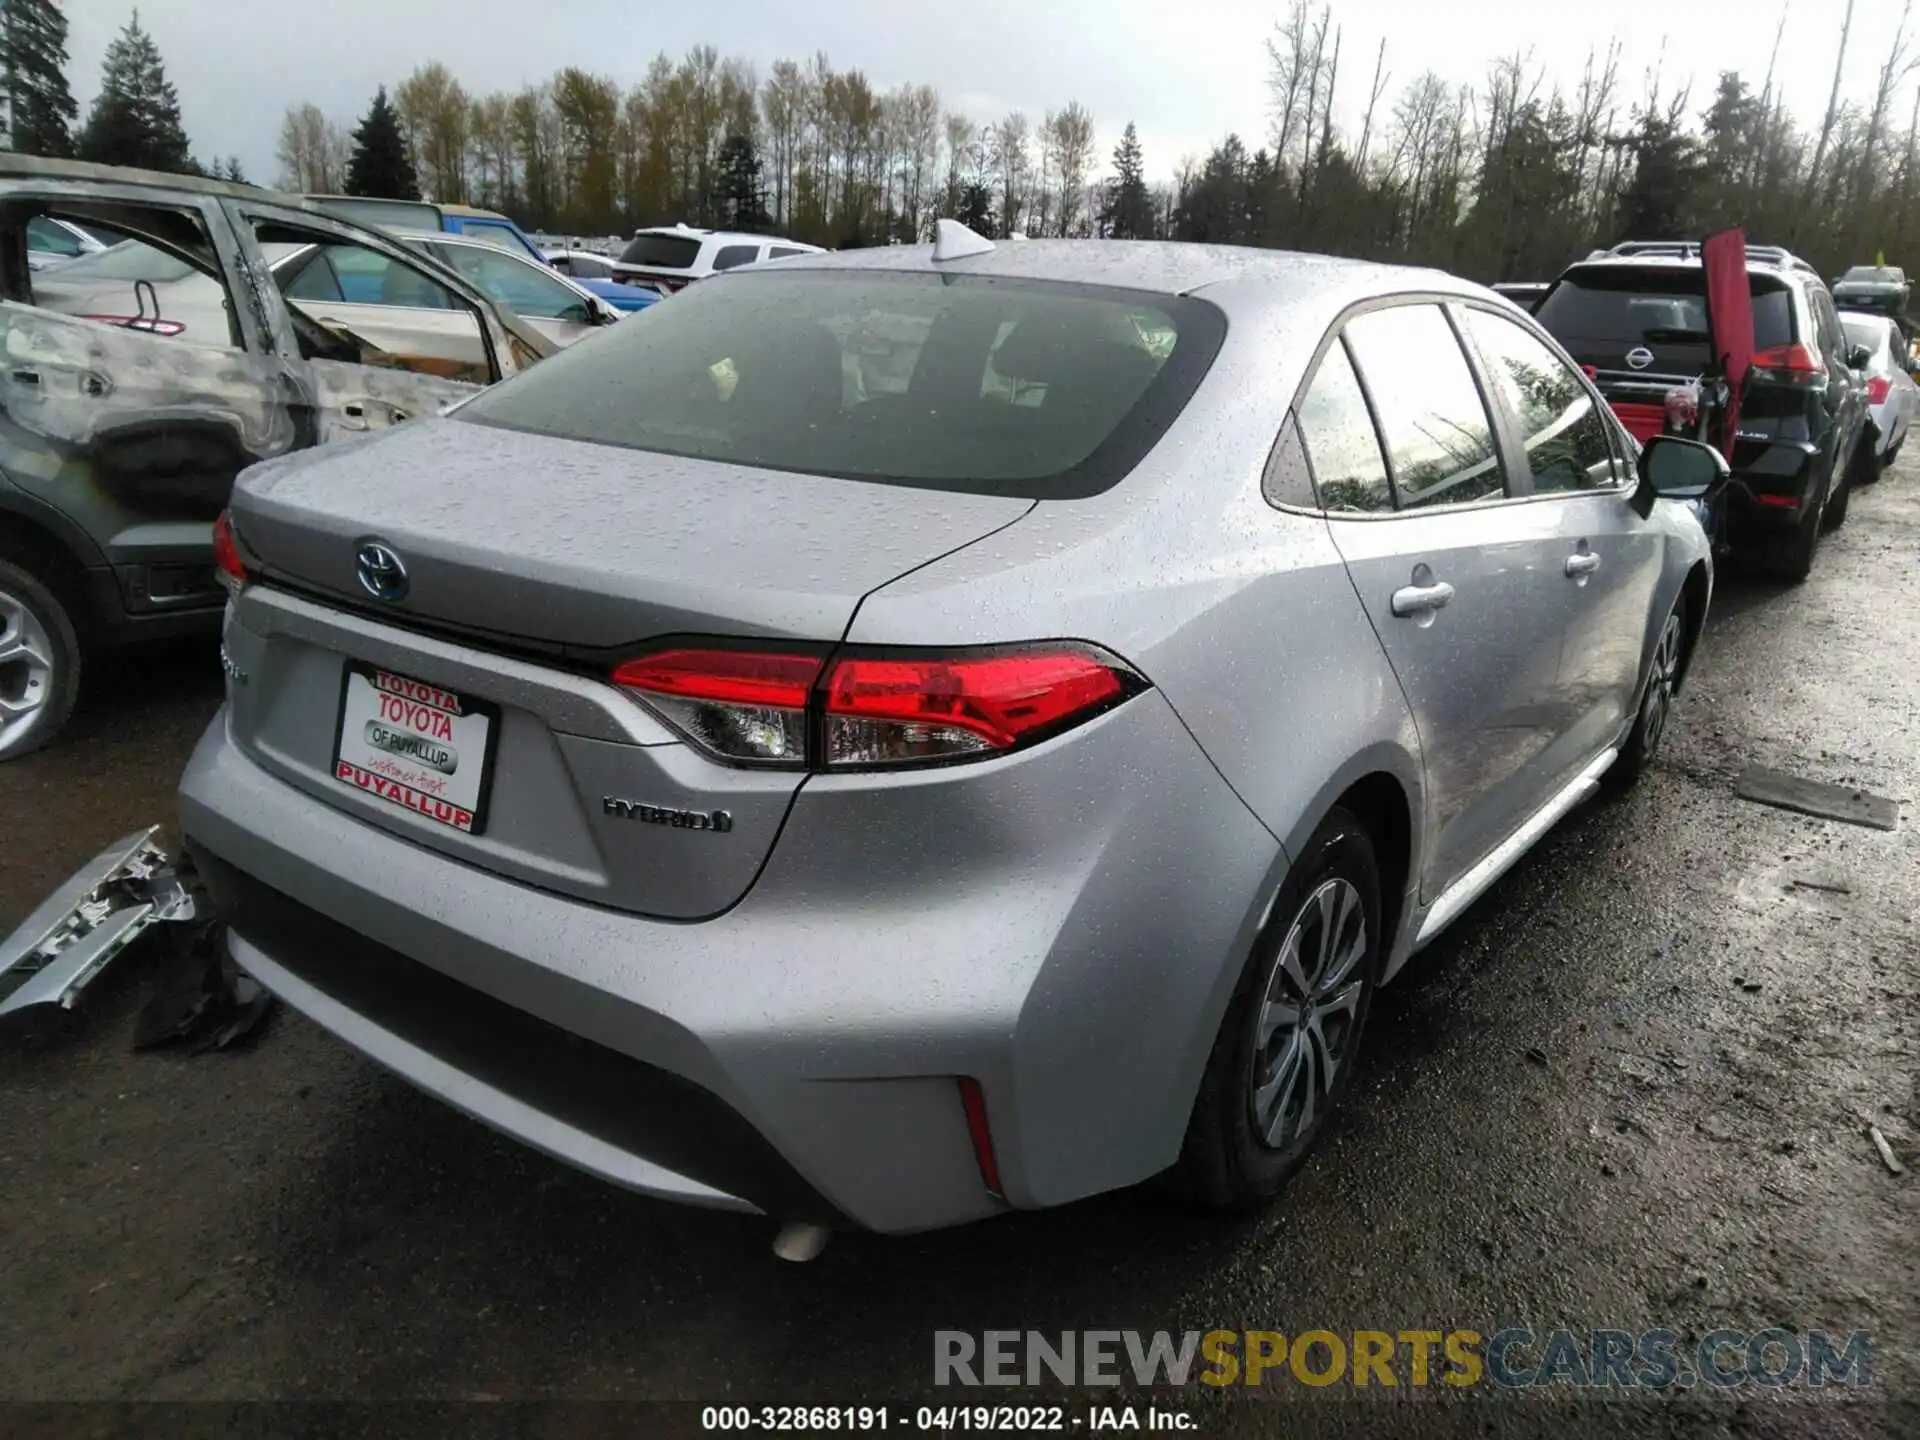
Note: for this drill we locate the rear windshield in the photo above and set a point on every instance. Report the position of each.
(1043, 391)
(1865, 330)
(1625, 307)
(664, 252)
(414, 214)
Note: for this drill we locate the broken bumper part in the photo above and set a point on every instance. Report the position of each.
(79, 929)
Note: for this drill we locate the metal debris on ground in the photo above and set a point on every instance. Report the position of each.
(79, 929)
(1886, 1150)
(1813, 797)
(1829, 887)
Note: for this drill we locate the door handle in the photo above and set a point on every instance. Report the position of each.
(1411, 600)
(1582, 564)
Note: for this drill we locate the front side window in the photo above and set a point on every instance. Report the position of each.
(1560, 426)
(361, 306)
(1432, 419)
(524, 289)
(982, 384)
(1343, 450)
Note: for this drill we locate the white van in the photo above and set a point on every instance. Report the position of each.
(671, 257)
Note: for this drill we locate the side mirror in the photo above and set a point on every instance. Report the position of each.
(1678, 469)
(1859, 357)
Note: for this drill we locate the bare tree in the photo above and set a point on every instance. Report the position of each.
(1826, 124)
(1012, 168)
(1379, 87)
(312, 151)
(1072, 140)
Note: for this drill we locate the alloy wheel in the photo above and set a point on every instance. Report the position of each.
(26, 671)
(1308, 1015)
(1666, 665)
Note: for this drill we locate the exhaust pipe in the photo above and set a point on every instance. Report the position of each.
(800, 1241)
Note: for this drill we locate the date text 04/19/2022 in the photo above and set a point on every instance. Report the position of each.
(943, 1419)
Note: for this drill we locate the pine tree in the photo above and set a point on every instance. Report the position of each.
(33, 54)
(136, 119)
(379, 167)
(739, 195)
(230, 171)
(1129, 212)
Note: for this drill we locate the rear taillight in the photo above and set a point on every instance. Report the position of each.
(872, 709)
(884, 711)
(143, 323)
(1878, 388)
(226, 554)
(740, 705)
(1789, 365)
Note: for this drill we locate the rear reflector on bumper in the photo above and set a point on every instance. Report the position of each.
(974, 1101)
(867, 709)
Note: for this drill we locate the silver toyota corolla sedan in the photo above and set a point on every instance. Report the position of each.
(909, 734)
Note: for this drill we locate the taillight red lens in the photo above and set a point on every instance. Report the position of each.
(226, 554)
(755, 707)
(742, 705)
(890, 711)
(1788, 360)
(1878, 387)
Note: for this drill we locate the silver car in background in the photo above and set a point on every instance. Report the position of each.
(1891, 393)
(895, 790)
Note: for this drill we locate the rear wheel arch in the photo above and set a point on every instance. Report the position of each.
(1381, 790)
(29, 542)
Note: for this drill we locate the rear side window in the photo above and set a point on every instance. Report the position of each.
(781, 252)
(662, 252)
(1432, 419)
(1342, 447)
(731, 257)
(1624, 307)
(1565, 438)
(1039, 390)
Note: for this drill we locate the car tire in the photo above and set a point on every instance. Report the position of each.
(1859, 468)
(1656, 701)
(1265, 1100)
(40, 674)
(1791, 559)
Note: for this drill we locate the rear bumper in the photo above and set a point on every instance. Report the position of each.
(798, 1054)
(1772, 484)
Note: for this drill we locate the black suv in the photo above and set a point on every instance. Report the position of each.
(1636, 317)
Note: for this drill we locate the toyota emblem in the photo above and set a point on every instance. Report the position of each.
(382, 573)
(1641, 358)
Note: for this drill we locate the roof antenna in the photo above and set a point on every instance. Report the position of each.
(952, 240)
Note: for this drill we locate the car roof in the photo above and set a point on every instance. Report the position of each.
(39, 167)
(1164, 266)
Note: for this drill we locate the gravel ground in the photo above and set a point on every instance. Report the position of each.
(1631, 1089)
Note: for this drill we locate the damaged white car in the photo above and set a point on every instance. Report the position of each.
(133, 397)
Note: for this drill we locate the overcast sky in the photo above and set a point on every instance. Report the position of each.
(1186, 74)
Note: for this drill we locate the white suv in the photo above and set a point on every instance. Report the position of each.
(671, 257)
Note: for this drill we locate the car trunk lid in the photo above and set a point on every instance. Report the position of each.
(474, 713)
